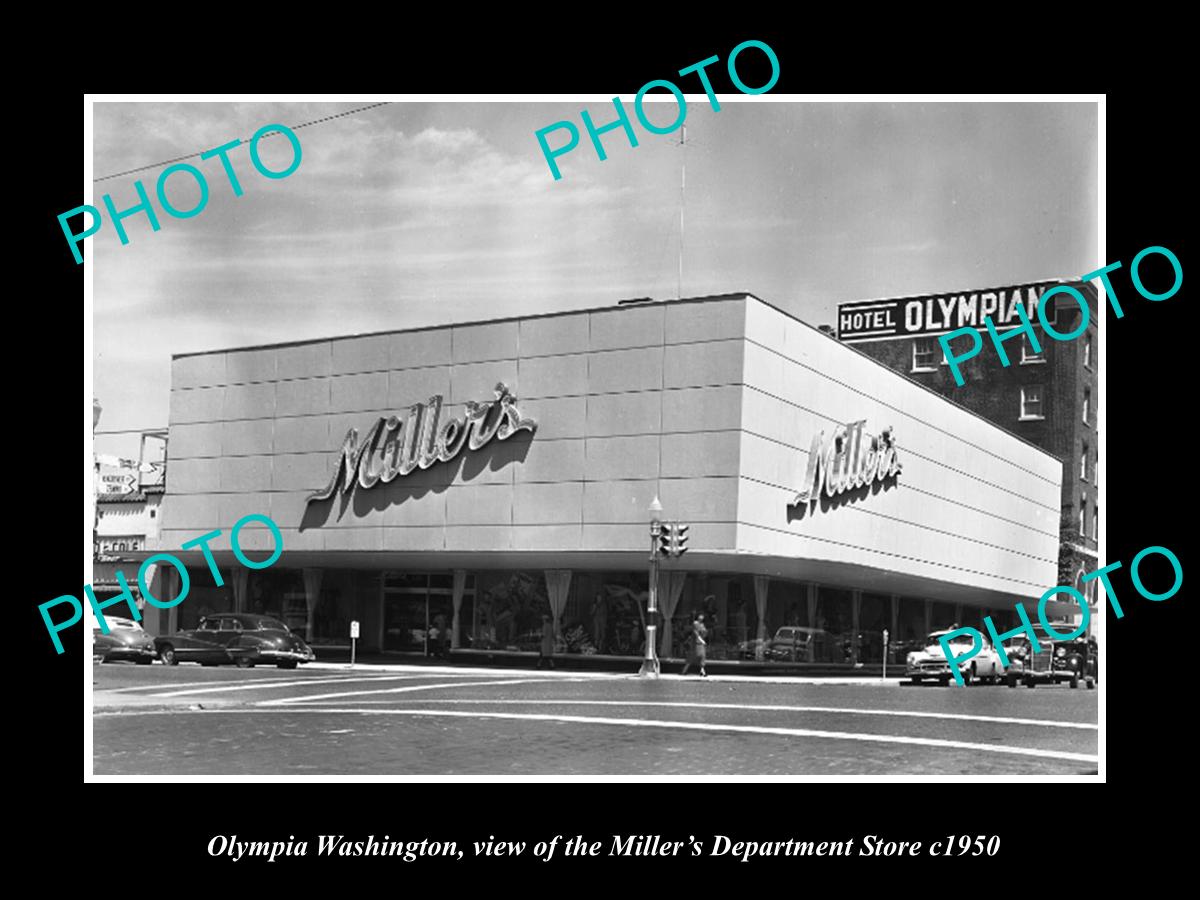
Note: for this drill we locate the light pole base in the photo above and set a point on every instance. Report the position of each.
(649, 669)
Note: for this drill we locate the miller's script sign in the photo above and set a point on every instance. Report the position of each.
(392, 448)
(846, 460)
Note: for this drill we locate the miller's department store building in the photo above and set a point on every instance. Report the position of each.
(475, 476)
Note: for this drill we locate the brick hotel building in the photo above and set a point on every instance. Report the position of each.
(480, 474)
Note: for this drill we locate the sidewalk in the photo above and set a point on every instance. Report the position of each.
(629, 665)
(366, 670)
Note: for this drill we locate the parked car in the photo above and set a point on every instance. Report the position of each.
(239, 639)
(932, 663)
(792, 642)
(126, 639)
(750, 649)
(1056, 661)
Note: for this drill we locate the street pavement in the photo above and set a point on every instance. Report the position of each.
(421, 720)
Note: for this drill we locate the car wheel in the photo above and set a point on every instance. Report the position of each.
(1030, 683)
(1091, 684)
(944, 680)
(1012, 681)
(289, 664)
(1075, 683)
(244, 662)
(167, 655)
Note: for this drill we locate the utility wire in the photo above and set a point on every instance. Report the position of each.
(348, 112)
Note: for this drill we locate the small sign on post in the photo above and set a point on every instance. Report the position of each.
(885, 643)
(353, 640)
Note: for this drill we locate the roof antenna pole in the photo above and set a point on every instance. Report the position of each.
(682, 186)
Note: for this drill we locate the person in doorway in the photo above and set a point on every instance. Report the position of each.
(433, 640)
(699, 648)
(546, 648)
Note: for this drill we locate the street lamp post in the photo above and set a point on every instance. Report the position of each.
(650, 661)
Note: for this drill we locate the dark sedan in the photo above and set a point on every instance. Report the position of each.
(125, 641)
(239, 639)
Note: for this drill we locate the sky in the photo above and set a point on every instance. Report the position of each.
(417, 214)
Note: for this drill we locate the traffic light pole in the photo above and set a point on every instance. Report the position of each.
(650, 666)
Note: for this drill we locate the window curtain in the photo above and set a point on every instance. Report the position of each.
(460, 584)
(812, 619)
(670, 588)
(558, 585)
(761, 584)
(312, 594)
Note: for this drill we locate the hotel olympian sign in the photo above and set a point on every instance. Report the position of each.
(846, 460)
(392, 448)
(938, 314)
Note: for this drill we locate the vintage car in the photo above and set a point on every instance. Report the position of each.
(126, 640)
(240, 639)
(1056, 661)
(750, 649)
(793, 642)
(932, 663)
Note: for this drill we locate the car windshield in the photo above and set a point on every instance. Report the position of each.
(935, 639)
(271, 625)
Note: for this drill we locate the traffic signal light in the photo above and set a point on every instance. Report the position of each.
(666, 538)
(679, 537)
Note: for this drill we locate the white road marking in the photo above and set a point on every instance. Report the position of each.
(288, 701)
(1004, 720)
(654, 723)
(254, 685)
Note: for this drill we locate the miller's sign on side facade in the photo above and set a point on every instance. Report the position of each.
(392, 448)
(938, 314)
(847, 459)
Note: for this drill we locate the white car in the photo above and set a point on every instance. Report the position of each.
(931, 662)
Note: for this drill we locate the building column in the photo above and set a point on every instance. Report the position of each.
(460, 585)
(170, 583)
(811, 597)
(855, 615)
(312, 596)
(893, 635)
(239, 581)
(958, 614)
(928, 616)
(762, 584)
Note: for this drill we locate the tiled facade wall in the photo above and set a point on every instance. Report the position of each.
(973, 505)
(623, 398)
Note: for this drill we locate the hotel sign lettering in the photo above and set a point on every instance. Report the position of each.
(938, 314)
(392, 448)
(847, 459)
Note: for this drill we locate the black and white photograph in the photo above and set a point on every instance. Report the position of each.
(733, 434)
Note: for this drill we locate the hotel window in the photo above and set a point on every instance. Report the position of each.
(1031, 402)
(1027, 354)
(924, 355)
(1083, 459)
(1087, 406)
(1082, 515)
(1051, 312)
(1087, 351)
(1096, 522)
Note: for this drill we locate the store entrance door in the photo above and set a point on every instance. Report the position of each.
(414, 605)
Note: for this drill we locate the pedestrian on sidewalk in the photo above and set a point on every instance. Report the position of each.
(699, 646)
(546, 648)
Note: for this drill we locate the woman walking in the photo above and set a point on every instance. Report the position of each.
(699, 646)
